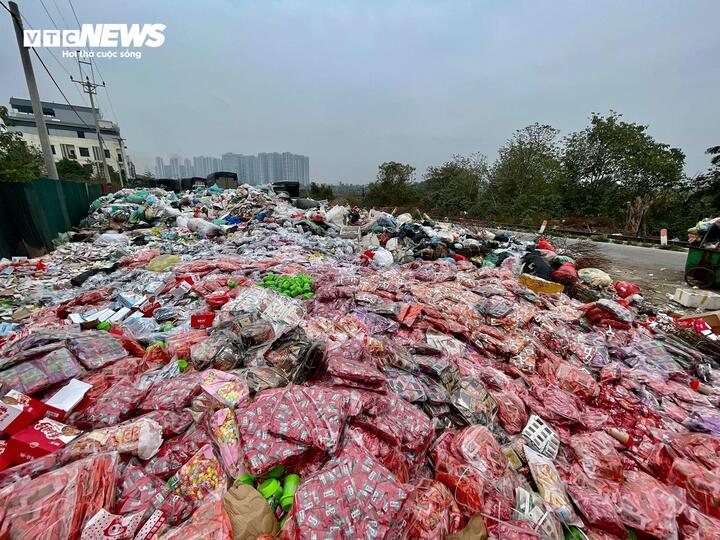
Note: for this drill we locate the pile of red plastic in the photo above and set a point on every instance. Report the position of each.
(408, 400)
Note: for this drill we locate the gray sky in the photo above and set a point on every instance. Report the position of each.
(353, 84)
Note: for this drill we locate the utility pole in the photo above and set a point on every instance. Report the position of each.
(51, 170)
(126, 166)
(90, 88)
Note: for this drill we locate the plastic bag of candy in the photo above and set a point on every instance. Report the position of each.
(174, 453)
(209, 522)
(202, 476)
(174, 393)
(431, 512)
(473, 402)
(180, 344)
(227, 439)
(598, 499)
(227, 389)
(96, 349)
(263, 378)
(141, 437)
(701, 485)
(311, 416)
(35, 375)
(106, 526)
(263, 450)
(511, 411)
(138, 491)
(343, 499)
(57, 503)
(223, 349)
(597, 455)
(649, 506)
(551, 487)
(115, 405)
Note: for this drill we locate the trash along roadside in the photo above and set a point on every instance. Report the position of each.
(222, 364)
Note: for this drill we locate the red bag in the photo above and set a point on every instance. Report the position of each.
(625, 288)
(649, 506)
(431, 512)
(565, 274)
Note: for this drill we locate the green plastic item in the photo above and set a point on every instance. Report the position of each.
(573, 533)
(182, 364)
(232, 284)
(276, 472)
(103, 325)
(245, 478)
(162, 262)
(631, 534)
(290, 485)
(271, 489)
(292, 286)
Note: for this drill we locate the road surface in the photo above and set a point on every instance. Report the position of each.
(658, 272)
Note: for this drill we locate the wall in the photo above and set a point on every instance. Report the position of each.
(31, 216)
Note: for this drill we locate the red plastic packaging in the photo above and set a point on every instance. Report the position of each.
(648, 505)
(431, 512)
(626, 288)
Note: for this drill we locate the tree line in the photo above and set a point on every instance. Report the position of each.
(611, 174)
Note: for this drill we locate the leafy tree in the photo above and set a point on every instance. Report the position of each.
(321, 192)
(615, 168)
(524, 180)
(19, 161)
(393, 185)
(454, 187)
(69, 169)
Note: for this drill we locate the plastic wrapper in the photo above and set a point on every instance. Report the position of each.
(310, 416)
(112, 407)
(225, 388)
(296, 354)
(511, 411)
(649, 506)
(141, 438)
(701, 485)
(390, 456)
(96, 349)
(597, 455)
(35, 375)
(430, 512)
(407, 387)
(598, 499)
(473, 402)
(694, 525)
(57, 503)
(175, 452)
(201, 477)
(180, 344)
(162, 262)
(227, 439)
(551, 487)
(209, 522)
(106, 526)
(576, 380)
(173, 394)
(264, 378)
(222, 349)
(263, 450)
(140, 492)
(352, 496)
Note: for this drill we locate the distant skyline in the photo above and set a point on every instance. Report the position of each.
(356, 83)
(258, 169)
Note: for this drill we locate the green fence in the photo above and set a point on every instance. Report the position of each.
(31, 213)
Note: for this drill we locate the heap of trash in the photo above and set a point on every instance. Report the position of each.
(223, 364)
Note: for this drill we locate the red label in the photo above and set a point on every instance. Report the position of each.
(202, 321)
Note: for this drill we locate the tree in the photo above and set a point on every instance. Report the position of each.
(454, 187)
(69, 169)
(19, 161)
(393, 185)
(615, 168)
(524, 180)
(321, 192)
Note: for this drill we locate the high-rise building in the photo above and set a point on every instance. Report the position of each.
(264, 168)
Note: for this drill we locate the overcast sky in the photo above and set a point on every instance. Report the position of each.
(353, 84)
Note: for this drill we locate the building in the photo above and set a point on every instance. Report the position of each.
(71, 130)
(264, 168)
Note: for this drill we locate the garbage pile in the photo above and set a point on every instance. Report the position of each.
(221, 364)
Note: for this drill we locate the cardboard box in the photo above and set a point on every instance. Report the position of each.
(539, 285)
(66, 399)
(17, 411)
(6, 460)
(40, 439)
(712, 318)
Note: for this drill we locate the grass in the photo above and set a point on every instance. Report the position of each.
(599, 238)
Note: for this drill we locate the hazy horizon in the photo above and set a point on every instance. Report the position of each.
(353, 84)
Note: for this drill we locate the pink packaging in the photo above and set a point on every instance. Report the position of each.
(42, 438)
(17, 411)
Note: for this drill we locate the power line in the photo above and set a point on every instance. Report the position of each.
(57, 60)
(77, 19)
(61, 14)
(48, 14)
